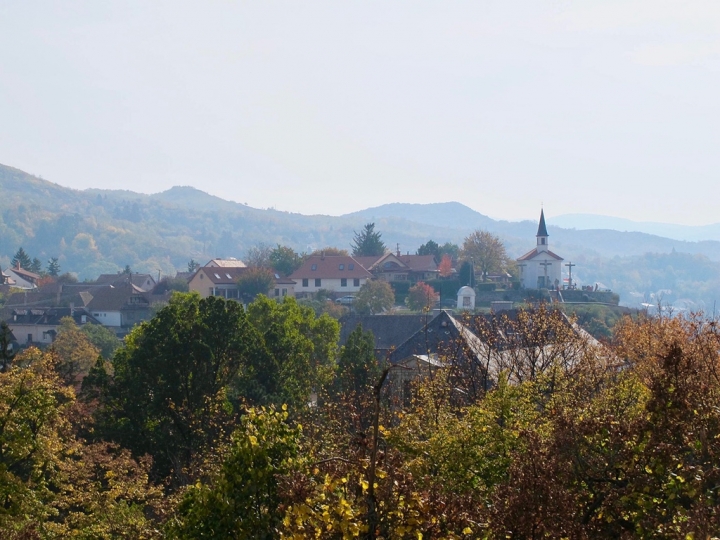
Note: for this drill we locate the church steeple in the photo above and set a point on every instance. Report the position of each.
(542, 234)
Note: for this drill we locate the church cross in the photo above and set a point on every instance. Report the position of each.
(570, 267)
(545, 264)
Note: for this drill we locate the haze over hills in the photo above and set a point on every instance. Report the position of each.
(690, 233)
(98, 231)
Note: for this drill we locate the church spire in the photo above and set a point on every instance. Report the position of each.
(542, 234)
(542, 229)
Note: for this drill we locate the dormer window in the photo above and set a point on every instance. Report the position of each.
(351, 266)
(342, 267)
(313, 267)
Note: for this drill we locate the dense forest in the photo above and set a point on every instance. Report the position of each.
(212, 421)
(102, 231)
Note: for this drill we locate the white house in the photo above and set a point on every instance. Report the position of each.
(337, 273)
(541, 268)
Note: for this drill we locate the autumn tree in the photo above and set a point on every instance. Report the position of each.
(75, 352)
(445, 266)
(7, 351)
(368, 242)
(102, 338)
(486, 252)
(421, 296)
(374, 297)
(242, 498)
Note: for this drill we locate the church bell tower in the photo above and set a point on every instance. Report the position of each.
(542, 234)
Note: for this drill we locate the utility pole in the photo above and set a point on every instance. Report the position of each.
(570, 267)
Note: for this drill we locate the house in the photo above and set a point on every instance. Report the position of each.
(143, 282)
(19, 278)
(337, 273)
(394, 267)
(389, 331)
(216, 281)
(39, 325)
(120, 307)
(540, 268)
(222, 281)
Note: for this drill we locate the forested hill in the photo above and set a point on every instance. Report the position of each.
(99, 231)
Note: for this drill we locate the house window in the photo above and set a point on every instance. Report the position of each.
(284, 292)
(343, 282)
(305, 282)
(313, 267)
(351, 266)
(356, 282)
(318, 282)
(277, 292)
(342, 267)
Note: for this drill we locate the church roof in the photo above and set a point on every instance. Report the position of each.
(542, 229)
(532, 254)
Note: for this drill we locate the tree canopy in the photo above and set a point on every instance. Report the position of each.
(486, 252)
(374, 297)
(368, 242)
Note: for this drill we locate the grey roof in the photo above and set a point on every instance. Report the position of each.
(116, 298)
(50, 316)
(389, 331)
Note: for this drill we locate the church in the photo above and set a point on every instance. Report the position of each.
(541, 268)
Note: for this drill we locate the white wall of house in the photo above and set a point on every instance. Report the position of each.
(329, 284)
(39, 333)
(108, 318)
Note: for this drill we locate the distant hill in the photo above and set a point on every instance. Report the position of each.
(100, 231)
(678, 232)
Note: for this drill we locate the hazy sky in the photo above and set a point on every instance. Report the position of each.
(329, 107)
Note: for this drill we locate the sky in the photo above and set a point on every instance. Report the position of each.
(598, 107)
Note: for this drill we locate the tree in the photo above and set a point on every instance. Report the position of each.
(75, 352)
(284, 260)
(53, 267)
(486, 251)
(242, 499)
(450, 249)
(374, 297)
(7, 352)
(466, 274)
(421, 296)
(127, 270)
(192, 265)
(368, 243)
(171, 284)
(53, 484)
(103, 338)
(167, 396)
(22, 258)
(358, 368)
(445, 266)
(255, 281)
(300, 352)
(258, 256)
(36, 266)
(430, 248)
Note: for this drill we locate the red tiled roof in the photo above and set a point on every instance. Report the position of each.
(420, 263)
(328, 267)
(532, 254)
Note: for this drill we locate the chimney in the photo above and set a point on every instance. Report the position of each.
(17, 265)
(72, 309)
(322, 255)
(398, 249)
